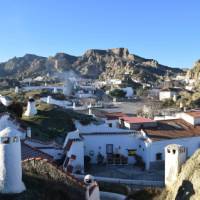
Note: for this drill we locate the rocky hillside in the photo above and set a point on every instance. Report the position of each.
(187, 187)
(194, 73)
(103, 64)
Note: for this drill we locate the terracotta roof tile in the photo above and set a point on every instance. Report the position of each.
(195, 114)
(172, 129)
(30, 152)
(136, 119)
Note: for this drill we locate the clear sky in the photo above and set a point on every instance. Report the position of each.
(166, 30)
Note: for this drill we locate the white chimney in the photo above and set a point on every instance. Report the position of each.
(10, 162)
(29, 132)
(92, 188)
(31, 109)
(90, 111)
(16, 90)
(74, 105)
(175, 156)
(49, 99)
(55, 91)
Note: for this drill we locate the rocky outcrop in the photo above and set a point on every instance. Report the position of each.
(94, 63)
(194, 73)
(187, 186)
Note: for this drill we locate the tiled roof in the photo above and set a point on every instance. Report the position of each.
(195, 114)
(136, 119)
(31, 152)
(172, 129)
(128, 132)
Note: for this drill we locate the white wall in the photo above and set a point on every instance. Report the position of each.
(191, 144)
(77, 149)
(121, 142)
(114, 122)
(166, 95)
(187, 118)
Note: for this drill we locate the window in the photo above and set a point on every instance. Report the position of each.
(110, 124)
(159, 156)
(5, 140)
(174, 151)
(15, 139)
(109, 148)
(168, 150)
(140, 146)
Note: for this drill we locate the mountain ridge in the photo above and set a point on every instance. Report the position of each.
(94, 63)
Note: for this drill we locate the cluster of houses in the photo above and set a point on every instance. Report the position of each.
(122, 139)
(116, 138)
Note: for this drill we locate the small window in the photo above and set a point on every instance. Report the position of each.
(140, 146)
(159, 156)
(174, 151)
(110, 124)
(15, 139)
(5, 140)
(168, 151)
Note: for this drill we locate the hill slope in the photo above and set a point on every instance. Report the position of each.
(94, 63)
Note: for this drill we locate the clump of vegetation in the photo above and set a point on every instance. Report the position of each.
(189, 99)
(117, 93)
(147, 193)
(168, 103)
(52, 122)
(49, 123)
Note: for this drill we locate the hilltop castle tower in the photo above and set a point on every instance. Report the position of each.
(31, 109)
(175, 156)
(10, 162)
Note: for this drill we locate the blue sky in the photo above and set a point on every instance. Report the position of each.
(166, 30)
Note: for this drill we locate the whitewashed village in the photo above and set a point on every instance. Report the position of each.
(94, 140)
(99, 100)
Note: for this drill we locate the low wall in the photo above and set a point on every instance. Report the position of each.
(126, 181)
(111, 196)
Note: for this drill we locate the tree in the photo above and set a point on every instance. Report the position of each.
(118, 93)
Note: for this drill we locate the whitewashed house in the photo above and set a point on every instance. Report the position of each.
(140, 136)
(111, 145)
(168, 93)
(184, 131)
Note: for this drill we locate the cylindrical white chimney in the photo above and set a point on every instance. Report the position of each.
(29, 132)
(31, 109)
(10, 162)
(49, 99)
(16, 90)
(92, 188)
(55, 91)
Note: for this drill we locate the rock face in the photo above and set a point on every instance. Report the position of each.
(194, 73)
(187, 186)
(94, 63)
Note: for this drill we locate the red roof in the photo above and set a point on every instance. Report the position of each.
(136, 119)
(195, 114)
